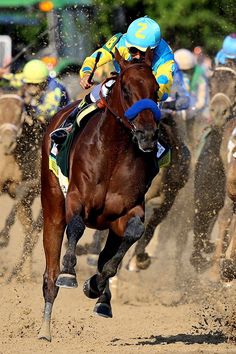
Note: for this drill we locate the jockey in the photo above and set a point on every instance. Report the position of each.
(141, 34)
(194, 79)
(228, 51)
(43, 94)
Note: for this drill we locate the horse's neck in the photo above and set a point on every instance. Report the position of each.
(216, 137)
(111, 127)
(114, 132)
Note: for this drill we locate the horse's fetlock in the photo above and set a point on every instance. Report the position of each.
(69, 260)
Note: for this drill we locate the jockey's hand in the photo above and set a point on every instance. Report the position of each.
(2, 71)
(84, 83)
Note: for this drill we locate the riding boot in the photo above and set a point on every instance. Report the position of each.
(59, 135)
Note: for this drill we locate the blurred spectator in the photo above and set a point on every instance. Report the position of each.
(203, 60)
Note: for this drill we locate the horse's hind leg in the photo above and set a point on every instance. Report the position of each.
(228, 266)
(30, 241)
(53, 231)
(108, 262)
(5, 232)
(75, 229)
(141, 259)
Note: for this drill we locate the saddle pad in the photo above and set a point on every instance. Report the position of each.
(163, 154)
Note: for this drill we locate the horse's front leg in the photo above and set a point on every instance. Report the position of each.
(108, 262)
(74, 231)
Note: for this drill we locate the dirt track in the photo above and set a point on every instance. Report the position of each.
(160, 310)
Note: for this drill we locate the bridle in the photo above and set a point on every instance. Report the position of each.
(128, 124)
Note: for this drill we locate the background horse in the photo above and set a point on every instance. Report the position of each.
(112, 163)
(21, 137)
(224, 258)
(11, 109)
(209, 186)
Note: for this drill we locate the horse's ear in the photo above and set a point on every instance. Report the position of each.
(120, 60)
(149, 56)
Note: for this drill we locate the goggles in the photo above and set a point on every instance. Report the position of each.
(134, 50)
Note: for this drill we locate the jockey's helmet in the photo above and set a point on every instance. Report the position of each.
(229, 46)
(143, 33)
(35, 72)
(185, 59)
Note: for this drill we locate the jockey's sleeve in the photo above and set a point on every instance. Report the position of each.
(164, 77)
(106, 56)
(15, 80)
(49, 105)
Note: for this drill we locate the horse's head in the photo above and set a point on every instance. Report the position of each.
(222, 94)
(11, 108)
(138, 94)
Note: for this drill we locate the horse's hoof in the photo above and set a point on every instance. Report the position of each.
(66, 281)
(90, 288)
(209, 247)
(103, 310)
(199, 262)
(3, 242)
(44, 337)
(143, 261)
(228, 269)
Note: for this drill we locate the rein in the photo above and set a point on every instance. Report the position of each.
(131, 126)
(221, 94)
(225, 68)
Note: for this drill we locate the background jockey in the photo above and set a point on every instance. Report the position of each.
(42, 94)
(228, 51)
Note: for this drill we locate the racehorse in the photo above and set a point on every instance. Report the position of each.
(112, 162)
(11, 109)
(224, 257)
(210, 168)
(19, 150)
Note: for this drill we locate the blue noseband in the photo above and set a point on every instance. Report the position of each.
(140, 106)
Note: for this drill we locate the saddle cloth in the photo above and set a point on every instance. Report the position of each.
(59, 155)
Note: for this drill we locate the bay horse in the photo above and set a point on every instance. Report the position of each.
(211, 166)
(224, 257)
(112, 162)
(20, 140)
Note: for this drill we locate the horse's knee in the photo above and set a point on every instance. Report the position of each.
(134, 229)
(75, 228)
